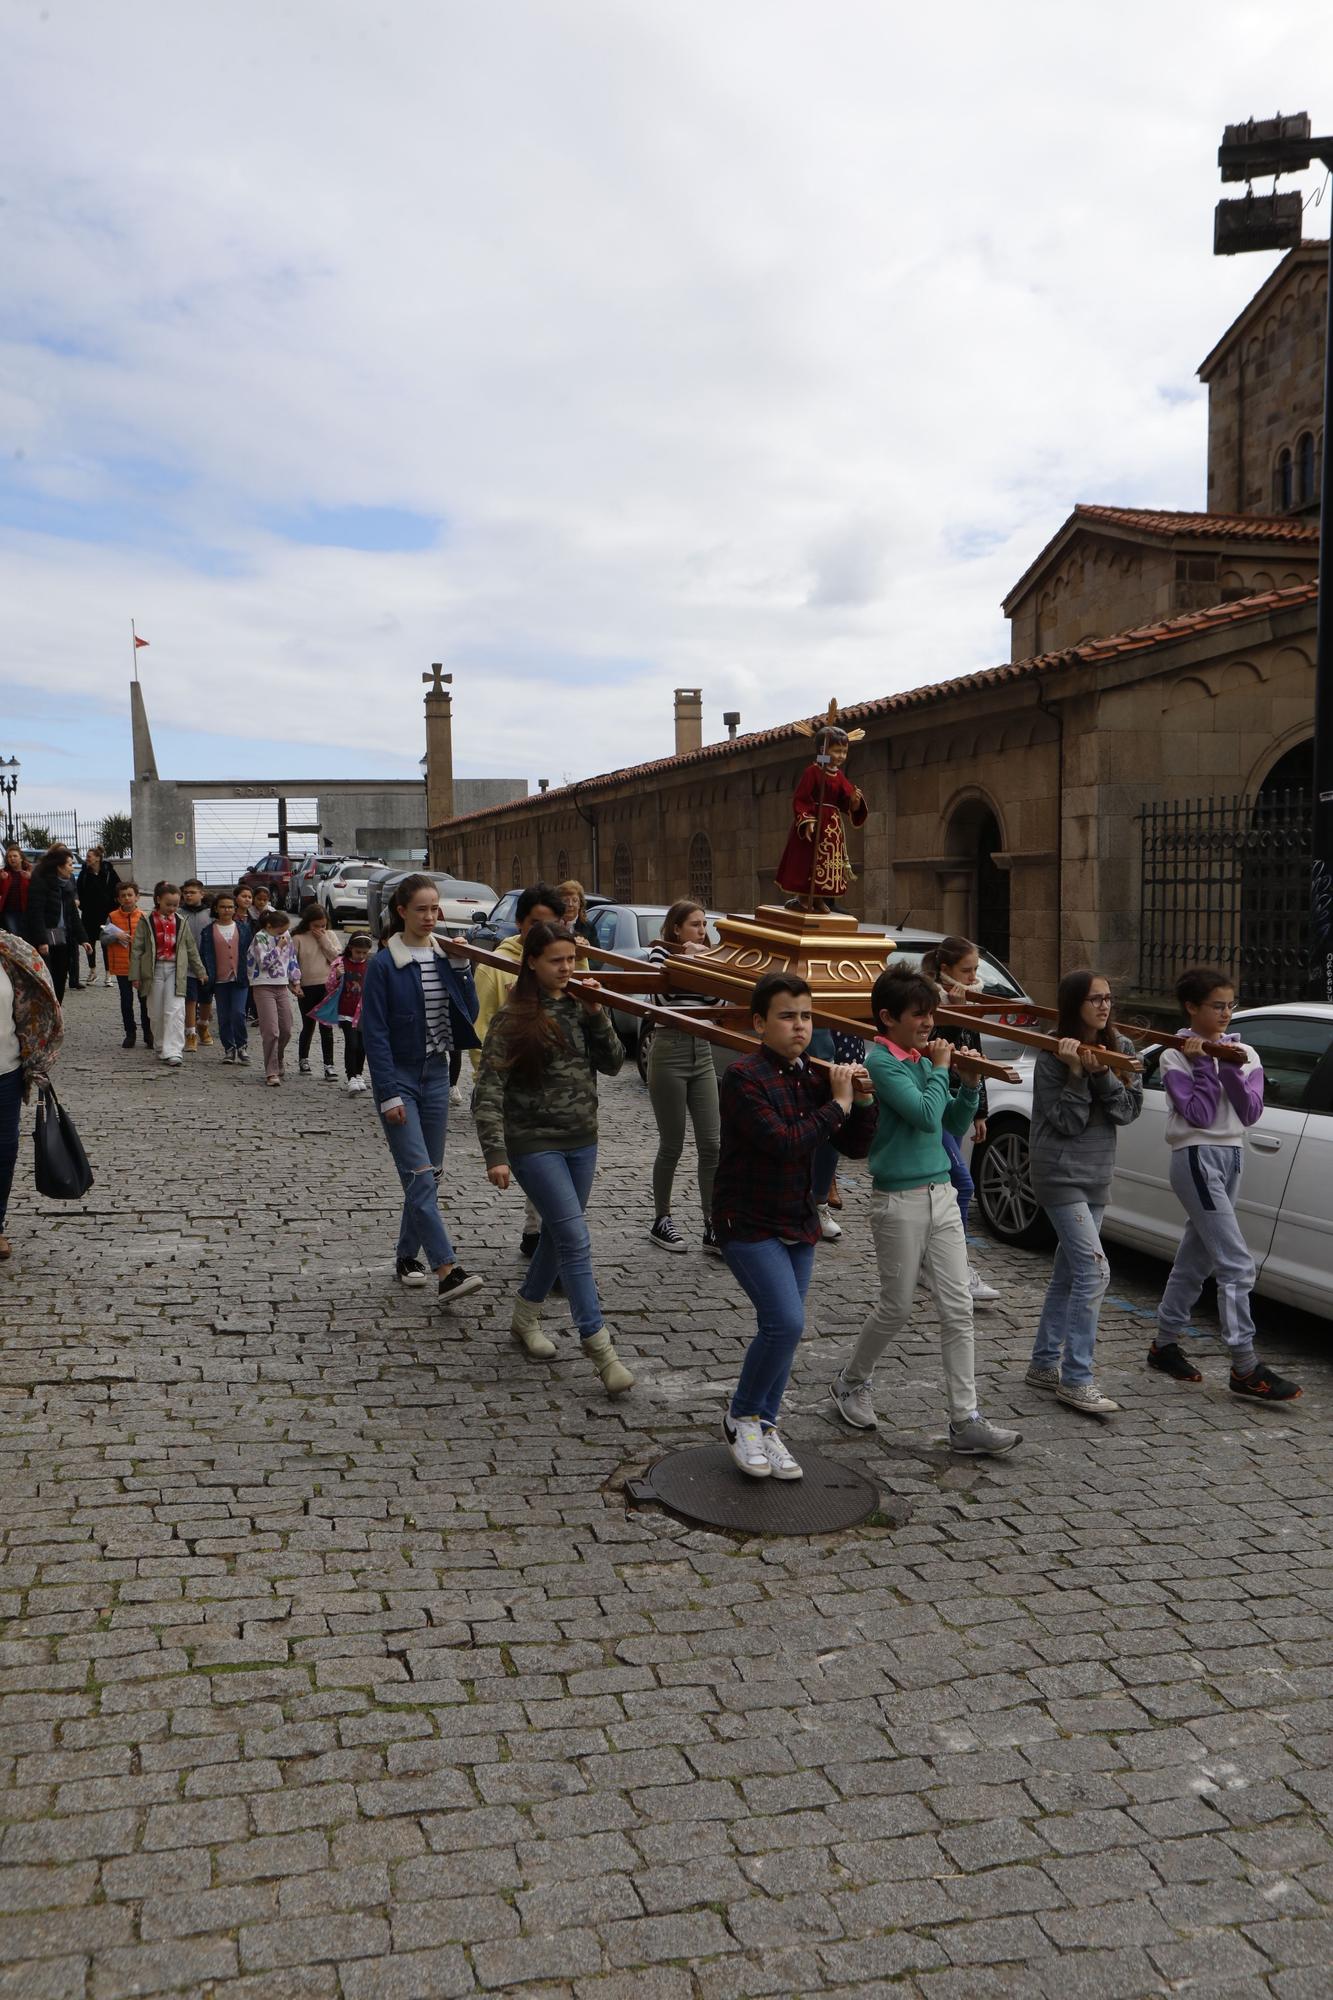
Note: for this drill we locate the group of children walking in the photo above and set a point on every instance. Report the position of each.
(767, 1138)
(191, 961)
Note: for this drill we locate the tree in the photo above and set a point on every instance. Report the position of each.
(35, 836)
(117, 834)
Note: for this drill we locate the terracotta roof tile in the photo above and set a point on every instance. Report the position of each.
(1217, 527)
(1142, 639)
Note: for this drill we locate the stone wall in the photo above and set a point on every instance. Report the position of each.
(1265, 389)
(1064, 762)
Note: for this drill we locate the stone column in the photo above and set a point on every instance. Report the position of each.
(439, 748)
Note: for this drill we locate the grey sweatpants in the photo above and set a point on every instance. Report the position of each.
(682, 1082)
(1205, 1180)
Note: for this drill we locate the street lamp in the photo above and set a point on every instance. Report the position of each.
(9, 785)
(1259, 148)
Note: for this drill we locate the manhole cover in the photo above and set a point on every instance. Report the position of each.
(704, 1485)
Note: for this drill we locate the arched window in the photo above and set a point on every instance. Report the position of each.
(562, 866)
(515, 874)
(1304, 467)
(701, 869)
(622, 874)
(1282, 482)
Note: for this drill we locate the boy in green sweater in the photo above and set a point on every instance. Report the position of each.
(914, 1216)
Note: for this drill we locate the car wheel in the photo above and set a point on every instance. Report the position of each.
(1008, 1206)
(646, 1033)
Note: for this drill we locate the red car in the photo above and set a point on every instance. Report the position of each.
(272, 872)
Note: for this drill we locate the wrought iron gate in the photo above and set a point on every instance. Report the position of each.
(1227, 882)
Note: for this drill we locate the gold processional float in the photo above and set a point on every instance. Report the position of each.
(827, 948)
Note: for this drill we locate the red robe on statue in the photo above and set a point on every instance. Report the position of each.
(832, 869)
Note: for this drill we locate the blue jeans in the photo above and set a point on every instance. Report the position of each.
(417, 1146)
(558, 1185)
(1067, 1329)
(229, 1002)
(962, 1180)
(775, 1277)
(11, 1102)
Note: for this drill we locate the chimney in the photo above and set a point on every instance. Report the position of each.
(439, 747)
(543, 784)
(689, 720)
(732, 718)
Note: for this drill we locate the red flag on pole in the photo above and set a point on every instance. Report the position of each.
(138, 641)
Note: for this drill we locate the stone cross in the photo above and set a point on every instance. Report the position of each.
(437, 678)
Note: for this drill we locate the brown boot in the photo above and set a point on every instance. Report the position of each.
(191, 1039)
(205, 1035)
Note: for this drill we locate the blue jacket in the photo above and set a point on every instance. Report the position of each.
(208, 952)
(393, 1014)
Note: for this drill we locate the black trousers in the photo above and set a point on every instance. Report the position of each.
(127, 999)
(354, 1052)
(311, 997)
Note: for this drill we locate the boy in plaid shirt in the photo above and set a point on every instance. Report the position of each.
(777, 1111)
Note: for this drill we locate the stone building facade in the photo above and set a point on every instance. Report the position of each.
(1157, 656)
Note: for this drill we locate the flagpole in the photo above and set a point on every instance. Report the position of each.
(134, 649)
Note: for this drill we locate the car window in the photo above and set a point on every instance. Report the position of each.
(649, 924)
(1291, 1048)
(604, 928)
(360, 873)
(503, 913)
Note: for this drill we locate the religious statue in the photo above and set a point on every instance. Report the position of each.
(815, 864)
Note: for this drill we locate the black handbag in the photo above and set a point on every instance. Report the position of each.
(61, 1165)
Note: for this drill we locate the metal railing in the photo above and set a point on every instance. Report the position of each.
(1226, 882)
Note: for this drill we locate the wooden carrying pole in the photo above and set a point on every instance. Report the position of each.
(1227, 1052)
(667, 1017)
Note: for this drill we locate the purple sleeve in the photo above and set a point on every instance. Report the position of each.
(1245, 1090)
(1195, 1093)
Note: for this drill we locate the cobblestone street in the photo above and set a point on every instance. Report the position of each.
(337, 1667)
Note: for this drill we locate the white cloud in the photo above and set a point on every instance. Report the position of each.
(753, 346)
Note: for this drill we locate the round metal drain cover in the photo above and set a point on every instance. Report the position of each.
(705, 1485)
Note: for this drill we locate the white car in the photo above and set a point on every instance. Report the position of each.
(1286, 1195)
(343, 892)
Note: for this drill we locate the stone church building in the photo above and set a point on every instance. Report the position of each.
(1130, 790)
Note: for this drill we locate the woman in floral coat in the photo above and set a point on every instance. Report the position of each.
(31, 1030)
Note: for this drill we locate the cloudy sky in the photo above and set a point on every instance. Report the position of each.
(595, 347)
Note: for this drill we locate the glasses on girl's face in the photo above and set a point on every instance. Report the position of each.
(1100, 999)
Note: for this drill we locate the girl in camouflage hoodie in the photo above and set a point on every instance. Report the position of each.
(536, 1113)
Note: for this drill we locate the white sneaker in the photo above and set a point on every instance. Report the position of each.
(355, 1085)
(781, 1462)
(829, 1230)
(745, 1438)
(455, 1095)
(982, 1293)
(330, 1073)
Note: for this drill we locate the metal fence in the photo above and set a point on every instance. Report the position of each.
(1226, 881)
(76, 832)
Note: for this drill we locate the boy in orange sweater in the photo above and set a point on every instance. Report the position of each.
(126, 918)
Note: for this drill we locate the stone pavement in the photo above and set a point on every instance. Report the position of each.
(335, 1664)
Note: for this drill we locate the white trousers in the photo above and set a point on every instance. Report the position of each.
(167, 1014)
(919, 1231)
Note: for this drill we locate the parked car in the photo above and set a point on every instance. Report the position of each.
(501, 922)
(308, 875)
(272, 872)
(343, 891)
(460, 902)
(1286, 1196)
